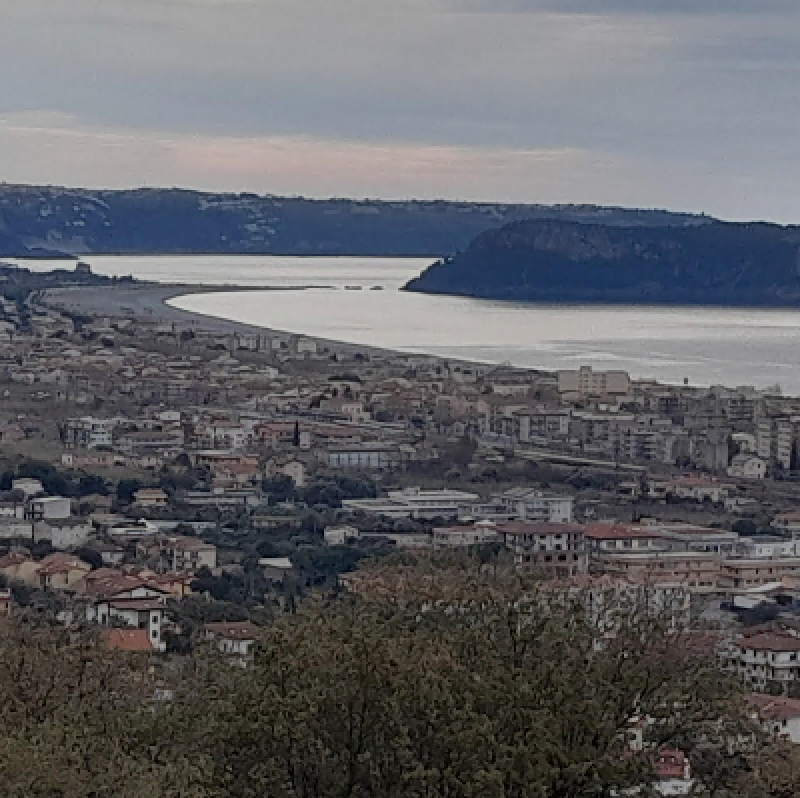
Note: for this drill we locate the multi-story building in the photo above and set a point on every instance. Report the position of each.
(89, 432)
(775, 441)
(416, 503)
(188, 554)
(763, 658)
(557, 549)
(527, 504)
(587, 382)
(698, 571)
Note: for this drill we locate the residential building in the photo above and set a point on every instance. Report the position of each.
(63, 533)
(236, 640)
(587, 382)
(747, 466)
(464, 536)
(559, 549)
(188, 554)
(527, 504)
(416, 503)
(778, 715)
(339, 535)
(764, 658)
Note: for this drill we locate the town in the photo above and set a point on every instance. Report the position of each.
(172, 484)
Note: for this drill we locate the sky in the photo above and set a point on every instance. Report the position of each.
(683, 104)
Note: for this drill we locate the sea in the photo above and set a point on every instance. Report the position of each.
(358, 300)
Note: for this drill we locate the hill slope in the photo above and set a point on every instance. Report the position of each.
(173, 221)
(553, 261)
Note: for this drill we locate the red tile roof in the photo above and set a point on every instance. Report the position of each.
(233, 630)
(128, 639)
(767, 641)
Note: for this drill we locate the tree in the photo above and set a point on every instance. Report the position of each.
(126, 488)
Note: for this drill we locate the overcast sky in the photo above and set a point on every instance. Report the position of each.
(606, 101)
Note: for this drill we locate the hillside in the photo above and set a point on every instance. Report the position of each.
(172, 221)
(553, 261)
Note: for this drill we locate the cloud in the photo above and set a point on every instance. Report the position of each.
(630, 100)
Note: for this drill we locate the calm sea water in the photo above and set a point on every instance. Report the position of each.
(704, 345)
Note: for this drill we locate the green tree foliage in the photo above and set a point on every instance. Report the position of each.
(442, 682)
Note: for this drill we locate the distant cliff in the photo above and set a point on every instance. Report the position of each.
(41, 220)
(554, 261)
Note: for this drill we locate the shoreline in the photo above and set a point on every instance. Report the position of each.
(147, 302)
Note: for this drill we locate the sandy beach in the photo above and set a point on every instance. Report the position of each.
(147, 302)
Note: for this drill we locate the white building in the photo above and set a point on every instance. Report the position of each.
(778, 715)
(236, 640)
(141, 612)
(188, 554)
(63, 533)
(89, 432)
(764, 658)
(526, 504)
(50, 507)
(26, 485)
(747, 466)
(339, 535)
(416, 503)
(460, 536)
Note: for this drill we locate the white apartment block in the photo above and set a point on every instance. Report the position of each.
(89, 432)
(764, 658)
(416, 503)
(526, 504)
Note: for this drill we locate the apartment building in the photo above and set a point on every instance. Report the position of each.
(763, 658)
(558, 549)
(587, 382)
(89, 432)
(528, 504)
(698, 571)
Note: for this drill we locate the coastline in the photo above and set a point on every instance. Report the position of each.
(146, 302)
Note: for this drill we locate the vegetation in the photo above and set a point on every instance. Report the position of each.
(539, 261)
(437, 682)
(150, 221)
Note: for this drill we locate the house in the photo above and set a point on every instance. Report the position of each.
(150, 497)
(559, 549)
(236, 640)
(49, 507)
(62, 571)
(276, 569)
(748, 466)
(699, 489)
(339, 535)
(19, 567)
(133, 530)
(788, 522)
(188, 554)
(674, 773)
(778, 715)
(26, 486)
(6, 602)
(128, 640)
(122, 599)
(63, 533)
